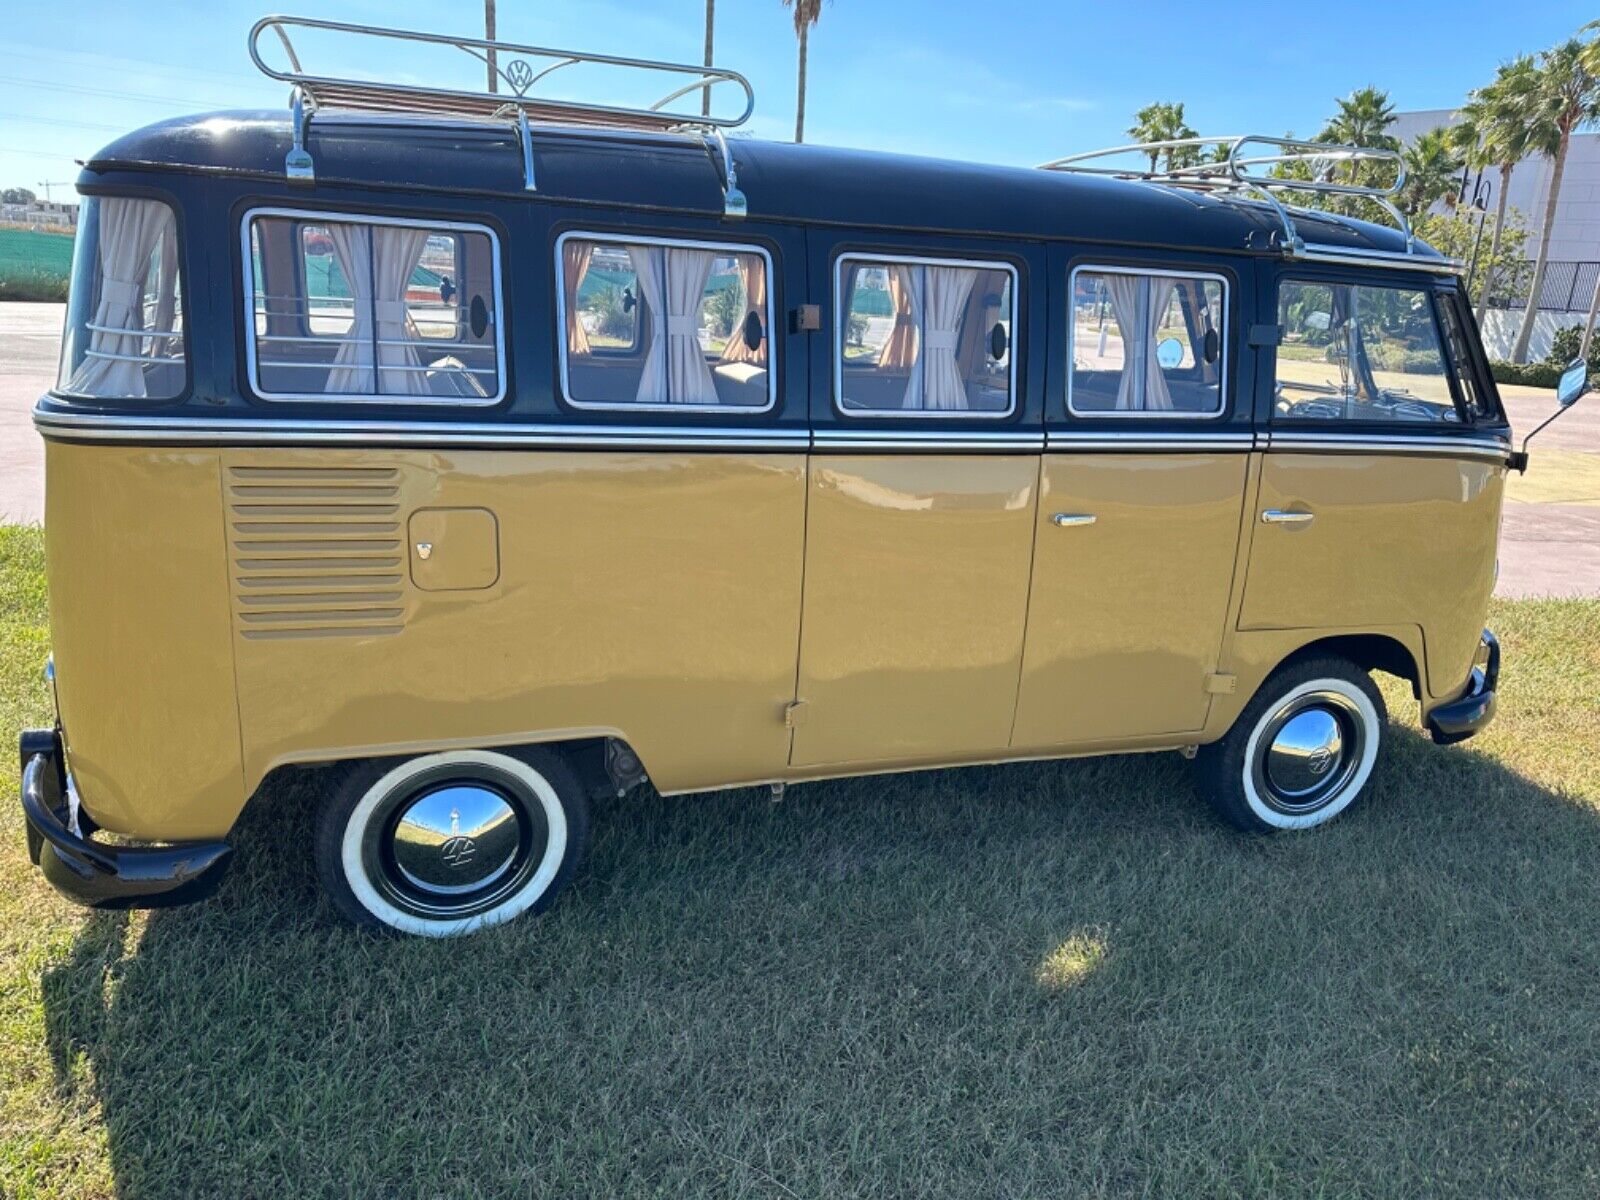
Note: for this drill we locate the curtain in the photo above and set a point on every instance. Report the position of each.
(945, 293)
(352, 367)
(575, 261)
(689, 377)
(649, 267)
(396, 250)
(1156, 396)
(900, 351)
(1127, 293)
(130, 230)
(753, 271)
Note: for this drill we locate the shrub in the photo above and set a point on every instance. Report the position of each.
(1565, 345)
(1539, 374)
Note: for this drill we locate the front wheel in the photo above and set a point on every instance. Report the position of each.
(444, 844)
(1302, 750)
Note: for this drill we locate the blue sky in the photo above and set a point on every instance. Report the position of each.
(1015, 82)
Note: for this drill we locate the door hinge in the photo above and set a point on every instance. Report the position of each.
(805, 319)
(1221, 685)
(794, 715)
(1265, 335)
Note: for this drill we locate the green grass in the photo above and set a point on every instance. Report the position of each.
(1031, 981)
(34, 266)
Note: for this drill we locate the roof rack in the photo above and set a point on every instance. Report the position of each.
(518, 68)
(1270, 166)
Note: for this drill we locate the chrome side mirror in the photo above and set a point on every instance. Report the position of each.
(1574, 383)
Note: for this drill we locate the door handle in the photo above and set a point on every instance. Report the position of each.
(1068, 520)
(1277, 516)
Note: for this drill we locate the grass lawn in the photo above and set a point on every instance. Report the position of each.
(1031, 981)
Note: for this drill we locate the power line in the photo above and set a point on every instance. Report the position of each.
(15, 116)
(80, 90)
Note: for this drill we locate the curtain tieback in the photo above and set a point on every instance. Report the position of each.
(939, 339)
(390, 310)
(901, 320)
(121, 293)
(681, 325)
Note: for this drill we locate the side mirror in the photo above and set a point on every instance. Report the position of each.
(753, 333)
(1574, 383)
(1213, 346)
(478, 316)
(999, 343)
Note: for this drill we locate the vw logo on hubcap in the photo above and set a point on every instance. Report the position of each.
(1319, 760)
(458, 851)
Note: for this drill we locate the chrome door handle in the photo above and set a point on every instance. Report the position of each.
(1277, 516)
(1068, 520)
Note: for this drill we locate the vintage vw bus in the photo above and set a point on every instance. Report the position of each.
(509, 451)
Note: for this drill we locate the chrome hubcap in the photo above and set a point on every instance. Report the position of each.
(448, 847)
(1308, 751)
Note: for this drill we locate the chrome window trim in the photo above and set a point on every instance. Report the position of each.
(625, 239)
(1150, 413)
(915, 260)
(368, 398)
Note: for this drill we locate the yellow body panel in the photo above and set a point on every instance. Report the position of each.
(1127, 614)
(916, 599)
(139, 629)
(1393, 539)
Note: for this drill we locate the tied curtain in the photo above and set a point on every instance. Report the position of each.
(753, 273)
(130, 232)
(672, 284)
(900, 351)
(576, 256)
(1138, 303)
(945, 294)
(377, 262)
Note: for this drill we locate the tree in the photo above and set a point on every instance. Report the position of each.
(1363, 120)
(806, 13)
(1163, 122)
(711, 25)
(1431, 164)
(17, 195)
(1493, 134)
(1567, 99)
(1502, 253)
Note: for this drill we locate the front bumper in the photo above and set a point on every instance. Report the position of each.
(1461, 718)
(96, 874)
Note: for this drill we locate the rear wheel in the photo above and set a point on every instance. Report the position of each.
(1302, 750)
(444, 844)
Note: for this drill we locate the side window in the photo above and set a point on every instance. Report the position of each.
(657, 324)
(920, 336)
(1478, 404)
(367, 310)
(1356, 352)
(1146, 344)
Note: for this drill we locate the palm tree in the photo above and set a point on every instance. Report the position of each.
(1163, 122)
(1363, 120)
(1567, 99)
(806, 13)
(1493, 133)
(711, 25)
(1431, 164)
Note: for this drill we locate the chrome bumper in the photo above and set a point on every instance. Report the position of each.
(1459, 719)
(95, 874)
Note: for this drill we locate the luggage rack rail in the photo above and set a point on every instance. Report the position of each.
(518, 68)
(1271, 169)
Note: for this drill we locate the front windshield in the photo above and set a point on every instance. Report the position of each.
(1360, 353)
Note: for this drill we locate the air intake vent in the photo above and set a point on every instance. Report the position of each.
(316, 551)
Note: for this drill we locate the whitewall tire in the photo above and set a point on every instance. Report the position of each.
(1302, 751)
(445, 844)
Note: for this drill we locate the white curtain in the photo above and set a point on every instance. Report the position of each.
(1156, 396)
(396, 251)
(1128, 297)
(352, 368)
(130, 230)
(689, 376)
(944, 302)
(649, 268)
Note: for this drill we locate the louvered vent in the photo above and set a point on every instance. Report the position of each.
(316, 551)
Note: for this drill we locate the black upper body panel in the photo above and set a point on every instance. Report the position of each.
(784, 182)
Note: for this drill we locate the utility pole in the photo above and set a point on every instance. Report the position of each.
(491, 58)
(711, 23)
(1588, 328)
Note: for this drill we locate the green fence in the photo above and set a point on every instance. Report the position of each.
(34, 266)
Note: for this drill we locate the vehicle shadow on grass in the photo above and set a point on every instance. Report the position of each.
(1042, 979)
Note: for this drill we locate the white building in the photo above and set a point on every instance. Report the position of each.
(1574, 241)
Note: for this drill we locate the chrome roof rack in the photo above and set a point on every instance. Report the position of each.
(1254, 166)
(518, 68)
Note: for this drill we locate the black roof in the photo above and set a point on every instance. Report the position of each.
(782, 181)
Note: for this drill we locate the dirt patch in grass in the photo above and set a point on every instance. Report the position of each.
(1041, 980)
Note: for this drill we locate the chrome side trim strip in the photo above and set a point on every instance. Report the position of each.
(1349, 443)
(1141, 441)
(932, 440)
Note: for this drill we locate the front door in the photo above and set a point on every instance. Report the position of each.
(1139, 518)
(922, 494)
